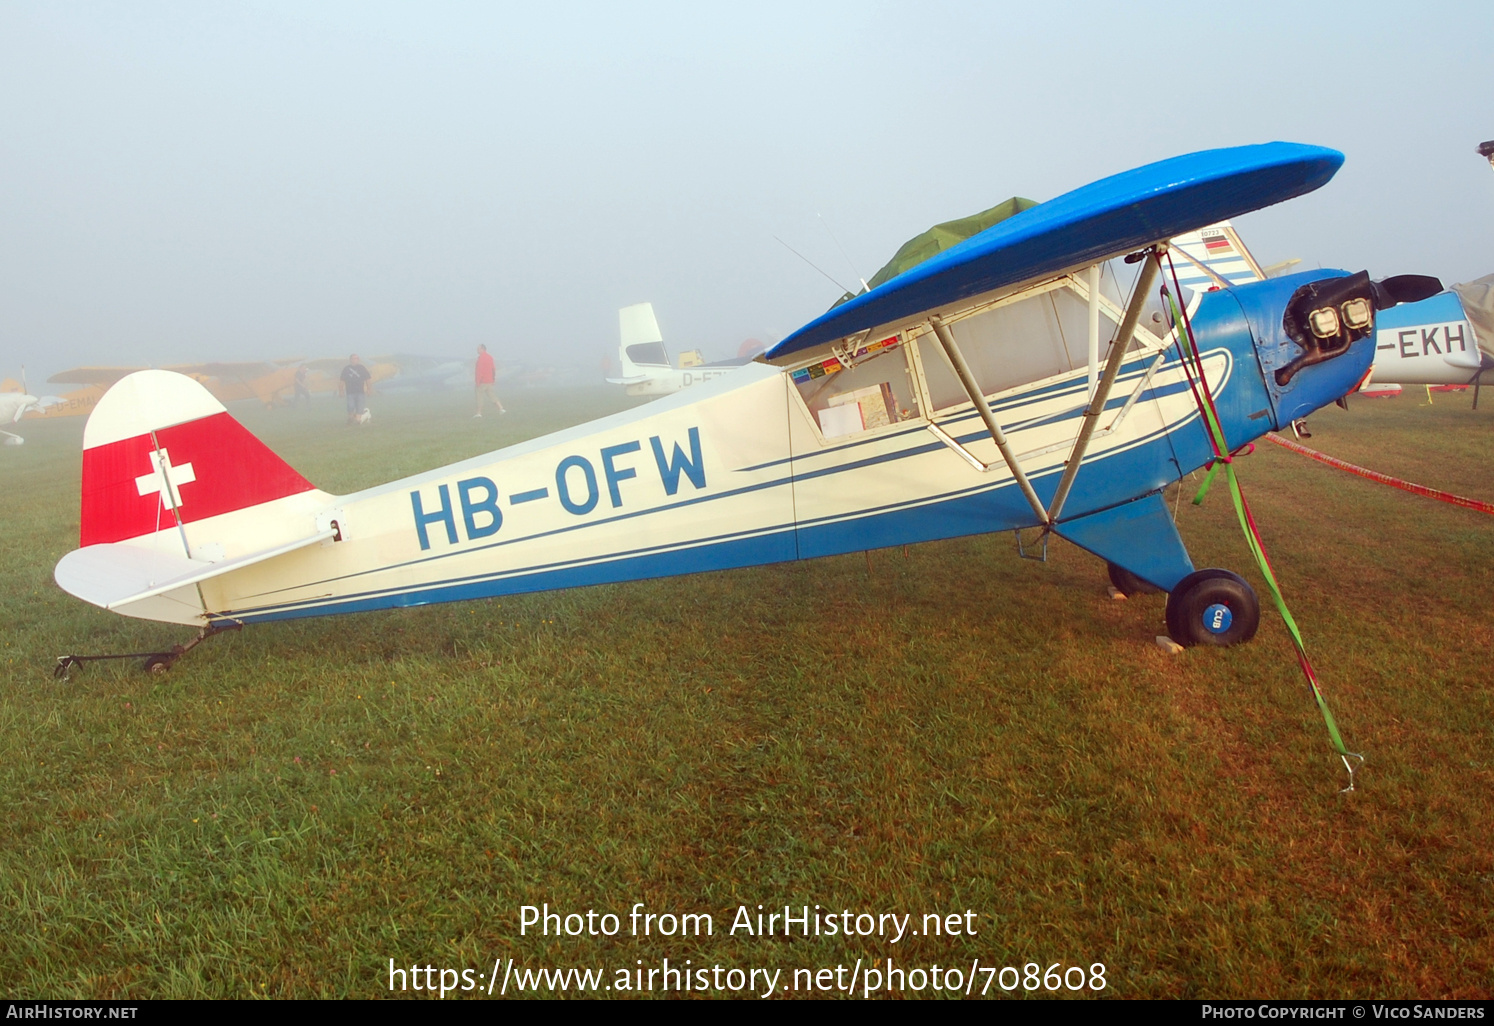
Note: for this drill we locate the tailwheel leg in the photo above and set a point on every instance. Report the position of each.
(155, 663)
(1212, 607)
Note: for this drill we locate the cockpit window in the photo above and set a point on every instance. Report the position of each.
(648, 353)
(877, 391)
(1015, 344)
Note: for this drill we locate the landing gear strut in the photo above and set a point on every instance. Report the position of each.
(156, 663)
(1212, 607)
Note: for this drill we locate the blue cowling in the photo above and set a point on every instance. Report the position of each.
(1260, 308)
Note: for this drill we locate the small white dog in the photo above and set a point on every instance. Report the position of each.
(365, 416)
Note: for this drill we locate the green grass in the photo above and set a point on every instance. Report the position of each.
(296, 804)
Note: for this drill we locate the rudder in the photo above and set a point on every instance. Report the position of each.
(160, 449)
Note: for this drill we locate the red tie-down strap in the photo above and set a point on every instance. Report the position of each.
(1374, 475)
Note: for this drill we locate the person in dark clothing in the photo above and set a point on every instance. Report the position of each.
(354, 377)
(302, 392)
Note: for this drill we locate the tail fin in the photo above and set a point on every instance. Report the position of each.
(159, 450)
(1214, 257)
(642, 350)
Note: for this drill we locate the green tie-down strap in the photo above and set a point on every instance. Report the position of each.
(1247, 522)
(1203, 489)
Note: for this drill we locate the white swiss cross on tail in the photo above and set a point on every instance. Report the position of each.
(148, 437)
(165, 479)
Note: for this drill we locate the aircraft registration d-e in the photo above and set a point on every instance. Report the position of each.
(966, 395)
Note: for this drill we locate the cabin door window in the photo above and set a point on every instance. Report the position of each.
(877, 391)
(1014, 345)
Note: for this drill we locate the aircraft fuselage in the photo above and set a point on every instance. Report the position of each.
(737, 472)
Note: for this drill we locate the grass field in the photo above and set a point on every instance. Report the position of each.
(944, 729)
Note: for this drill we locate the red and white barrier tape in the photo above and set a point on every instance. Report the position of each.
(1394, 482)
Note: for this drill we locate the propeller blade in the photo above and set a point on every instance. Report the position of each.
(1406, 288)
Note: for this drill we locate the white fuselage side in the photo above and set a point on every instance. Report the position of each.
(730, 474)
(1427, 343)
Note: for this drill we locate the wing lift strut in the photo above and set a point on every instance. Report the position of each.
(1048, 517)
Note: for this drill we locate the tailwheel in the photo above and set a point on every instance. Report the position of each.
(158, 664)
(1129, 584)
(1212, 607)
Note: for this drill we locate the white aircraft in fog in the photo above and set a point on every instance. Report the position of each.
(13, 406)
(646, 369)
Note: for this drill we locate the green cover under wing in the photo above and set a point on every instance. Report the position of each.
(940, 237)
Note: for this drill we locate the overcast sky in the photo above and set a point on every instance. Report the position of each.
(193, 181)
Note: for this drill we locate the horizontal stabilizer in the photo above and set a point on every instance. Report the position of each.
(118, 574)
(1468, 360)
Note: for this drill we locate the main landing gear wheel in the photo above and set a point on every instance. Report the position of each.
(1212, 607)
(1129, 584)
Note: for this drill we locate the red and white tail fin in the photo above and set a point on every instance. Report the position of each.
(1214, 257)
(176, 493)
(159, 450)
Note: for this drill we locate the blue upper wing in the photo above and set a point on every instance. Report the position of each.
(1095, 222)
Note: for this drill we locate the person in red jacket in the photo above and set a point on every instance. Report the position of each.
(486, 374)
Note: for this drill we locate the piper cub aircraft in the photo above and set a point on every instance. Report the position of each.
(969, 394)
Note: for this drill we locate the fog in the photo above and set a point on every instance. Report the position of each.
(186, 182)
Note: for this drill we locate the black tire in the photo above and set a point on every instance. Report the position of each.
(1128, 583)
(1212, 607)
(157, 665)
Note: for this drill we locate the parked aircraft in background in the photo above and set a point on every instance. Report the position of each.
(272, 382)
(226, 380)
(425, 373)
(14, 402)
(646, 370)
(1444, 340)
(324, 375)
(77, 403)
(953, 399)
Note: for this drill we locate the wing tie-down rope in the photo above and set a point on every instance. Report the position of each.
(1223, 457)
(1386, 479)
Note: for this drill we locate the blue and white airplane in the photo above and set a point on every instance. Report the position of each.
(967, 395)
